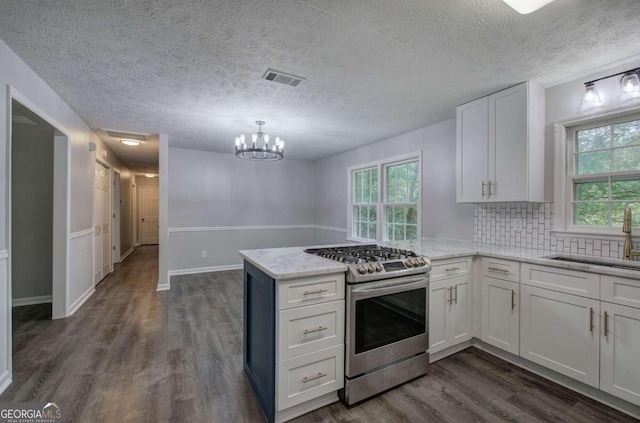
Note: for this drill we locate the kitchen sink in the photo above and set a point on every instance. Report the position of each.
(616, 264)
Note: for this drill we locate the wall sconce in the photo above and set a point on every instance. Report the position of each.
(629, 83)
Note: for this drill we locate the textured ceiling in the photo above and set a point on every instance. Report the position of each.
(373, 68)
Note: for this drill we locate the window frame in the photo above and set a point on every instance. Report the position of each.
(380, 205)
(565, 164)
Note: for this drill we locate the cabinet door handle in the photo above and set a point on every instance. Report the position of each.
(456, 298)
(318, 329)
(489, 186)
(513, 299)
(606, 324)
(319, 291)
(498, 270)
(309, 379)
(590, 319)
(450, 290)
(483, 184)
(451, 269)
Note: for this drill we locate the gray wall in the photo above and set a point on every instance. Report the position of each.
(32, 210)
(441, 216)
(216, 201)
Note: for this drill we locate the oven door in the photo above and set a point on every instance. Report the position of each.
(386, 322)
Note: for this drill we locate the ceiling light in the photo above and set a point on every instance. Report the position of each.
(260, 149)
(590, 94)
(149, 175)
(630, 83)
(527, 6)
(130, 142)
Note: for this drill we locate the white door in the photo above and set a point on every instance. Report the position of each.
(501, 314)
(460, 316)
(115, 219)
(149, 222)
(102, 222)
(620, 352)
(471, 151)
(508, 136)
(438, 316)
(561, 332)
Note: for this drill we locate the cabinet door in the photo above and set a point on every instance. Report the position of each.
(501, 314)
(561, 332)
(471, 151)
(439, 299)
(620, 351)
(460, 326)
(508, 142)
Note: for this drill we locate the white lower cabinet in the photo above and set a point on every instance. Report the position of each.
(561, 332)
(620, 352)
(449, 316)
(501, 314)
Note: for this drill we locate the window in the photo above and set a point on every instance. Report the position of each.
(603, 173)
(385, 200)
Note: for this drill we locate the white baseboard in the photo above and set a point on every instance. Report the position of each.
(204, 269)
(5, 380)
(19, 302)
(78, 303)
(125, 255)
(163, 287)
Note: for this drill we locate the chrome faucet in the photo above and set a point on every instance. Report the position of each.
(629, 252)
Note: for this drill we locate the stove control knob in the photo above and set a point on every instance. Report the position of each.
(422, 261)
(370, 268)
(418, 262)
(361, 269)
(408, 263)
(379, 267)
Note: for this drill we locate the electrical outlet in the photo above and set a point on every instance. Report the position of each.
(516, 224)
(204, 254)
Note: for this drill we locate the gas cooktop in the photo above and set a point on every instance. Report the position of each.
(373, 262)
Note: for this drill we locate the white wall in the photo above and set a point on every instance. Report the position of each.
(17, 75)
(442, 217)
(216, 201)
(32, 211)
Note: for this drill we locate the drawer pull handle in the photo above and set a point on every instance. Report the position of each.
(606, 324)
(483, 184)
(309, 379)
(451, 269)
(489, 186)
(456, 290)
(318, 329)
(318, 291)
(498, 270)
(590, 319)
(513, 299)
(450, 289)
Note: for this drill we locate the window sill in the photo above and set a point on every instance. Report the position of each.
(604, 235)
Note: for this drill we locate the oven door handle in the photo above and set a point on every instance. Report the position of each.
(389, 287)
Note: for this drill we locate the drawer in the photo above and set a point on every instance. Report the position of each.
(304, 330)
(561, 280)
(450, 268)
(309, 376)
(501, 269)
(620, 290)
(308, 291)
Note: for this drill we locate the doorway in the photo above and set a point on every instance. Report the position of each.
(102, 221)
(149, 211)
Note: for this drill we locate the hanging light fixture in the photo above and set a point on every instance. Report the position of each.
(630, 83)
(130, 142)
(590, 94)
(527, 6)
(259, 149)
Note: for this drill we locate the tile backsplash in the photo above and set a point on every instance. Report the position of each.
(529, 225)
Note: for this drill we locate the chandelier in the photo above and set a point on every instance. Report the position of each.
(259, 148)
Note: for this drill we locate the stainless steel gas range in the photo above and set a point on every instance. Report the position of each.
(387, 316)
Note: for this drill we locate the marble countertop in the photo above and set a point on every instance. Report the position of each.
(293, 262)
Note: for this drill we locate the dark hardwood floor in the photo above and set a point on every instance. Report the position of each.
(131, 354)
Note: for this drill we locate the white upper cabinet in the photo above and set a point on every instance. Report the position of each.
(500, 146)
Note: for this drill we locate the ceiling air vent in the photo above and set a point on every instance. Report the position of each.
(128, 135)
(282, 78)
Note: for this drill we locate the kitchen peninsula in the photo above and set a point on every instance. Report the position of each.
(499, 292)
